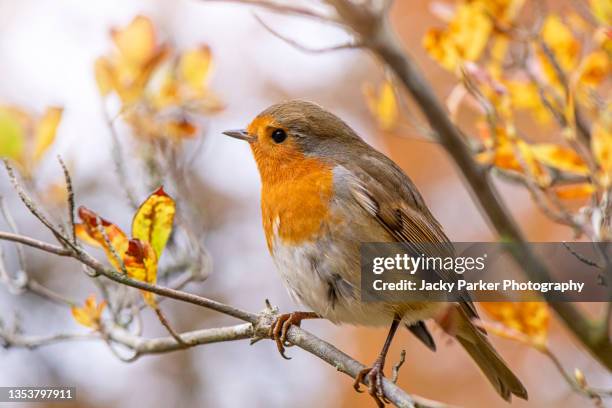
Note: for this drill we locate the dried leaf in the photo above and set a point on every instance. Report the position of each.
(90, 314)
(45, 131)
(141, 264)
(153, 220)
(90, 232)
(529, 318)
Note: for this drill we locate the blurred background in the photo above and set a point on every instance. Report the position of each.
(48, 50)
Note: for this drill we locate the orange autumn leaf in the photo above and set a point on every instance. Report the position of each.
(577, 191)
(516, 155)
(91, 229)
(153, 220)
(180, 129)
(383, 105)
(529, 318)
(151, 229)
(595, 68)
(90, 314)
(560, 158)
(141, 264)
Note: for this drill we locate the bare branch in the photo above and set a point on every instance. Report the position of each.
(8, 339)
(190, 339)
(34, 243)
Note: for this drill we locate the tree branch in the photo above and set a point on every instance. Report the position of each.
(375, 31)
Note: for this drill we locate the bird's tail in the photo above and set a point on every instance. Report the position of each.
(475, 342)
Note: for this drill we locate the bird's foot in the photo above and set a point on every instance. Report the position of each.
(374, 376)
(280, 327)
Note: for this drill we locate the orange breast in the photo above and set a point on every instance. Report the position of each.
(295, 202)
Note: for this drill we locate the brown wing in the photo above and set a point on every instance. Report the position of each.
(381, 188)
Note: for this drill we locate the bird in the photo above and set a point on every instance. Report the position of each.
(324, 192)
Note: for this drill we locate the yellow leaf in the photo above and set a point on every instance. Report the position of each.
(464, 39)
(45, 131)
(513, 154)
(90, 231)
(595, 68)
(529, 318)
(194, 66)
(153, 220)
(11, 136)
(524, 95)
(560, 158)
(90, 313)
(601, 145)
(602, 9)
(572, 192)
(168, 93)
(104, 74)
(136, 42)
(560, 39)
(502, 10)
(141, 264)
(383, 105)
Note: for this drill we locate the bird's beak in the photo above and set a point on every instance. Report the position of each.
(240, 134)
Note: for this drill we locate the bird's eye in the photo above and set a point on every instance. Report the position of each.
(279, 135)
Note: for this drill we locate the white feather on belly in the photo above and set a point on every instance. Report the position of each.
(306, 270)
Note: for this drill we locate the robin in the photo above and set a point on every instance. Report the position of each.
(324, 192)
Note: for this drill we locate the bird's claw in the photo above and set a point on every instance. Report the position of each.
(280, 327)
(374, 376)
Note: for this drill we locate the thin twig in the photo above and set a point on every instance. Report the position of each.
(166, 324)
(581, 257)
(285, 8)
(397, 367)
(70, 199)
(302, 47)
